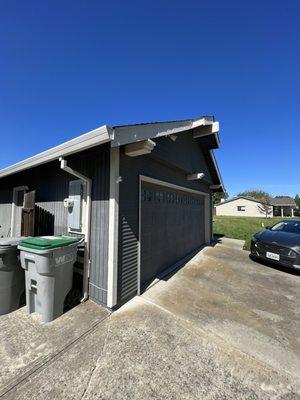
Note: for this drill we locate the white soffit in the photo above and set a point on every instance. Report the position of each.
(93, 138)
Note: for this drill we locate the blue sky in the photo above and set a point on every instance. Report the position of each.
(67, 67)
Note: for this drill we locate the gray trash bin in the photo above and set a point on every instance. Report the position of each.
(48, 262)
(12, 276)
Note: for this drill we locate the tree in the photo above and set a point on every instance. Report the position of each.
(263, 197)
(217, 196)
(266, 205)
(297, 200)
(256, 194)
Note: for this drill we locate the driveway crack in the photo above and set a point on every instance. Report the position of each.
(44, 362)
(97, 363)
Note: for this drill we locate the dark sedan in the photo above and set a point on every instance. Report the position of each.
(279, 243)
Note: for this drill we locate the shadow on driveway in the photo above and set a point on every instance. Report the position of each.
(221, 327)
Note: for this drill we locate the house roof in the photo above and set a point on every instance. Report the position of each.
(237, 198)
(283, 201)
(80, 143)
(275, 201)
(125, 134)
(207, 117)
(205, 128)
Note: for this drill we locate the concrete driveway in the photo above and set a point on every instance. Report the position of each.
(223, 327)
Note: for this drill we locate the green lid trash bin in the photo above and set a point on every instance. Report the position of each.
(42, 243)
(48, 263)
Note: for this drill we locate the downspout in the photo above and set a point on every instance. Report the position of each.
(87, 230)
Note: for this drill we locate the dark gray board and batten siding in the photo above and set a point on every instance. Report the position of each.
(170, 161)
(172, 226)
(52, 187)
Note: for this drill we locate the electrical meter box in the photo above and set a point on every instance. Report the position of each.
(74, 204)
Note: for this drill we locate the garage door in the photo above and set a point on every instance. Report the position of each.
(172, 226)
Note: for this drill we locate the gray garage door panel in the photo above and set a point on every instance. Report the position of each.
(172, 226)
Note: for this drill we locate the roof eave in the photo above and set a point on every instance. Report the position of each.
(134, 133)
(221, 187)
(93, 138)
(203, 126)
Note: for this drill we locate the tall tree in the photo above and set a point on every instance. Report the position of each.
(256, 194)
(217, 196)
(297, 200)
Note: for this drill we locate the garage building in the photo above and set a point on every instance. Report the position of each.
(139, 194)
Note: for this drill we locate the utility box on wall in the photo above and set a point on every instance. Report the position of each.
(74, 204)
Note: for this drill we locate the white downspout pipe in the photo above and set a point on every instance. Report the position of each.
(87, 230)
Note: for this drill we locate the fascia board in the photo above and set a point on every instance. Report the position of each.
(93, 138)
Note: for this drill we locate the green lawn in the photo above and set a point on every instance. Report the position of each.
(241, 227)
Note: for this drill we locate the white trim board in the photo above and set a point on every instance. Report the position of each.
(171, 185)
(113, 228)
(207, 215)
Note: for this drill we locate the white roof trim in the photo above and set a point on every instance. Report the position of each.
(80, 143)
(207, 130)
(217, 169)
(135, 133)
(206, 121)
(118, 136)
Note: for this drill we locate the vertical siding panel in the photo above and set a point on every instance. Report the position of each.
(52, 186)
(95, 277)
(99, 243)
(100, 174)
(99, 235)
(106, 222)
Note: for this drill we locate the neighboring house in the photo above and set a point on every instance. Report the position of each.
(242, 206)
(284, 206)
(281, 206)
(140, 194)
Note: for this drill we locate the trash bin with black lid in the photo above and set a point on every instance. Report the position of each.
(48, 262)
(12, 280)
